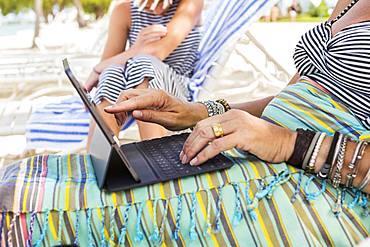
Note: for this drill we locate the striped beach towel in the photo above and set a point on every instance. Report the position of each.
(53, 200)
(221, 29)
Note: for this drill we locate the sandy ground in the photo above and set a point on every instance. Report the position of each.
(235, 79)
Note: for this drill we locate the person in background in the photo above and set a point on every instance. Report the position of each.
(163, 38)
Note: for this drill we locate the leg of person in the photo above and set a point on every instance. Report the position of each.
(149, 130)
(111, 83)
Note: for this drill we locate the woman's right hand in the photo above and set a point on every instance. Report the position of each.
(148, 35)
(92, 81)
(156, 106)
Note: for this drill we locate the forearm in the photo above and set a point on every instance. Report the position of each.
(329, 155)
(255, 107)
(120, 58)
(363, 165)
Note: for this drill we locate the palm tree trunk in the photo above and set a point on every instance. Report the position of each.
(38, 13)
(80, 12)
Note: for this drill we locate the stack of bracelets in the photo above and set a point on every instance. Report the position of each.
(216, 107)
(307, 148)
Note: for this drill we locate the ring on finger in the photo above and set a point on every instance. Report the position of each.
(218, 130)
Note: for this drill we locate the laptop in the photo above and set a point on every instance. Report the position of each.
(121, 167)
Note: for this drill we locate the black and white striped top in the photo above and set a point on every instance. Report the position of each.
(184, 57)
(340, 63)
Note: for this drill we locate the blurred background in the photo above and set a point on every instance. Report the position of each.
(36, 34)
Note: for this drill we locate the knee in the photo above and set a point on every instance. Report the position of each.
(112, 74)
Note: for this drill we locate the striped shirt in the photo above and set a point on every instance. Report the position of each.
(184, 57)
(339, 63)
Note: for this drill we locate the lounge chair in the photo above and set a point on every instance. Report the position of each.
(231, 23)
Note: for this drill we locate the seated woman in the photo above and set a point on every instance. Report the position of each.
(165, 30)
(320, 198)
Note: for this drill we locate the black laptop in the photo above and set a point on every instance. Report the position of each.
(140, 163)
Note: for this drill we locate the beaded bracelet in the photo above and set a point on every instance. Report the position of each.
(213, 107)
(338, 176)
(325, 169)
(354, 164)
(224, 103)
(311, 164)
(310, 150)
(336, 154)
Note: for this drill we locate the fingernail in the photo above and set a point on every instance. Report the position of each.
(194, 161)
(184, 158)
(181, 154)
(108, 107)
(137, 114)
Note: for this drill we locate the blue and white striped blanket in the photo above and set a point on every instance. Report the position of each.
(62, 125)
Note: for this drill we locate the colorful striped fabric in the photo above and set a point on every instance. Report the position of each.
(52, 200)
(221, 29)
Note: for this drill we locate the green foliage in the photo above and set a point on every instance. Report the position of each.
(14, 6)
(96, 7)
(321, 11)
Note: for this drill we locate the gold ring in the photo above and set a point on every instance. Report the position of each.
(217, 130)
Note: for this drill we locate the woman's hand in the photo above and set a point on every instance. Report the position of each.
(241, 130)
(92, 81)
(148, 35)
(156, 106)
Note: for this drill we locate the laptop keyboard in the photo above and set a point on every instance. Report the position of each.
(163, 155)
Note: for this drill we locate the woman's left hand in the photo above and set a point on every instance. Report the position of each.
(241, 130)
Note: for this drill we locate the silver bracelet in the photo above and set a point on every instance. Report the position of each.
(311, 164)
(310, 150)
(354, 164)
(338, 176)
(213, 107)
(365, 181)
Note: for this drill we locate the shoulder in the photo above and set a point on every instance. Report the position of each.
(121, 14)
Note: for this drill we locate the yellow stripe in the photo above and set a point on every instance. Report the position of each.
(281, 220)
(100, 216)
(204, 212)
(309, 114)
(114, 199)
(52, 227)
(229, 225)
(28, 185)
(323, 226)
(68, 184)
(260, 220)
(365, 137)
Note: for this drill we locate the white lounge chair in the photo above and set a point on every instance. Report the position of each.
(233, 26)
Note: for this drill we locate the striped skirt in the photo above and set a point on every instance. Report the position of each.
(118, 78)
(52, 200)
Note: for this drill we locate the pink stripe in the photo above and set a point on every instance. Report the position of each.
(41, 188)
(24, 230)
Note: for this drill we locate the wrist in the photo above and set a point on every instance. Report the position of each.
(197, 112)
(96, 71)
(291, 137)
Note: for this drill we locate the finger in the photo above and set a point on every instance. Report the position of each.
(154, 28)
(217, 146)
(153, 39)
(152, 116)
(144, 101)
(204, 123)
(202, 139)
